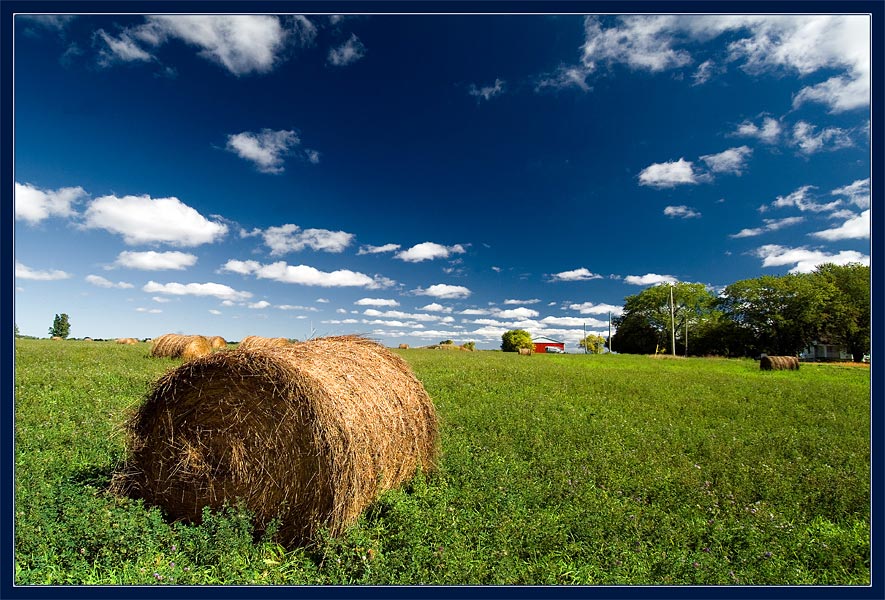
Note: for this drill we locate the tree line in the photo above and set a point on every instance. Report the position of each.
(776, 315)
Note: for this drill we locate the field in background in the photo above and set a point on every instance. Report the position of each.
(555, 469)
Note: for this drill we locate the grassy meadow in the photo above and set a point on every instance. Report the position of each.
(555, 469)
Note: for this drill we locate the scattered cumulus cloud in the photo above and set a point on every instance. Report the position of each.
(649, 279)
(805, 260)
(487, 92)
(682, 211)
(347, 53)
(156, 261)
(802, 199)
(258, 305)
(216, 290)
(769, 132)
(668, 174)
(267, 148)
(581, 274)
(378, 249)
(25, 272)
(566, 76)
(376, 302)
(515, 301)
(732, 160)
(769, 225)
(808, 140)
(105, 283)
(444, 291)
(517, 313)
(428, 251)
(856, 227)
(33, 204)
(436, 307)
(858, 192)
(306, 275)
(151, 311)
(213, 311)
(291, 238)
(589, 308)
(146, 220)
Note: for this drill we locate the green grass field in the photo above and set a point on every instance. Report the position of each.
(555, 469)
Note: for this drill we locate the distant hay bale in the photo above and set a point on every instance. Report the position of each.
(778, 363)
(88, 339)
(309, 433)
(403, 346)
(251, 342)
(56, 338)
(187, 347)
(217, 342)
(127, 341)
(525, 351)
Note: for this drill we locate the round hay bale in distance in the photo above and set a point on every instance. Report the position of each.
(217, 342)
(778, 363)
(173, 345)
(310, 433)
(256, 341)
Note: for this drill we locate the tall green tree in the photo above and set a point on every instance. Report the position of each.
(594, 344)
(61, 326)
(779, 315)
(849, 317)
(515, 339)
(646, 324)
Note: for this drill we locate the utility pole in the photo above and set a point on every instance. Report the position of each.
(672, 323)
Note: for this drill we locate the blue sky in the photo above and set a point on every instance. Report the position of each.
(421, 178)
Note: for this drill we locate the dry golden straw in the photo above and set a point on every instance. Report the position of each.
(310, 433)
(779, 363)
(256, 341)
(187, 347)
(525, 351)
(217, 342)
(127, 341)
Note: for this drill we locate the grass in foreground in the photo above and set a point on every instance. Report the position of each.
(567, 469)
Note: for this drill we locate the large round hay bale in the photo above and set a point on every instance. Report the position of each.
(217, 342)
(310, 433)
(256, 341)
(173, 345)
(778, 363)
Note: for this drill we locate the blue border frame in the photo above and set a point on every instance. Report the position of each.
(7, 280)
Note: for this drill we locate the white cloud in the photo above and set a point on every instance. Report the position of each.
(768, 133)
(649, 279)
(258, 305)
(668, 174)
(732, 160)
(565, 77)
(705, 71)
(589, 308)
(217, 290)
(156, 261)
(347, 53)
(291, 238)
(160, 299)
(376, 302)
(266, 149)
(487, 92)
(297, 307)
(120, 49)
(214, 312)
(475, 311)
(153, 311)
(801, 199)
(517, 313)
(33, 204)
(514, 301)
(573, 322)
(306, 275)
(144, 220)
(444, 291)
(806, 260)
(770, 225)
(857, 227)
(581, 274)
(801, 44)
(436, 307)
(428, 251)
(682, 211)
(829, 138)
(378, 249)
(858, 192)
(398, 314)
(102, 282)
(24, 272)
(242, 44)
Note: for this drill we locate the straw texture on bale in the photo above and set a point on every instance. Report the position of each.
(256, 341)
(310, 433)
(779, 363)
(525, 351)
(127, 341)
(187, 347)
(217, 342)
(403, 346)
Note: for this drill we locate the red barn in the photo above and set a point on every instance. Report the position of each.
(545, 344)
